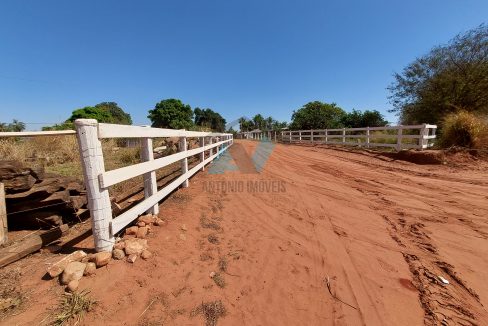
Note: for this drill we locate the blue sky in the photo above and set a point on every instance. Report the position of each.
(236, 57)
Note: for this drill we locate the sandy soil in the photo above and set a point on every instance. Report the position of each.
(328, 237)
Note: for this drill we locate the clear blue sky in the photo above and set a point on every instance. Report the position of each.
(236, 57)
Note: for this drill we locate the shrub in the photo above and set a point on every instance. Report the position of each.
(464, 129)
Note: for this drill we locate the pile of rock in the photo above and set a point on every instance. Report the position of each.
(73, 267)
(134, 243)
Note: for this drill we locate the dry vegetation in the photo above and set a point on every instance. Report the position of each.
(72, 307)
(211, 311)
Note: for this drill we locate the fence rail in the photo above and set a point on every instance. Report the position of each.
(97, 181)
(363, 136)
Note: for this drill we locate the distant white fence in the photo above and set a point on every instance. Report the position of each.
(97, 181)
(399, 137)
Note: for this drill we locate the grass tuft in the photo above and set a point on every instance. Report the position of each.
(219, 280)
(73, 306)
(211, 311)
(208, 224)
(223, 264)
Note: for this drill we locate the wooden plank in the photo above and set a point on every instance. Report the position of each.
(110, 178)
(3, 216)
(122, 220)
(30, 245)
(37, 133)
(107, 130)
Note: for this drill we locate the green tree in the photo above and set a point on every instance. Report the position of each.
(450, 78)
(90, 112)
(15, 126)
(118, 115)
(210, 119)
(259, 122)
(107, 112)
(358, 119)
(171, 113)
(317, 115)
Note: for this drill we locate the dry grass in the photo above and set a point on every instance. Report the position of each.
(72, 307)
(211, 311)
(465, 129)
(219, 280)
(208, 224)
(223, 264)
(212, 238)
(12, 298)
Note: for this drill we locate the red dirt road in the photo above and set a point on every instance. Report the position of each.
(379, 232)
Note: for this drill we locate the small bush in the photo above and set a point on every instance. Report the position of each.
(464, 129)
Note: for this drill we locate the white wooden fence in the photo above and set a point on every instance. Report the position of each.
(367, 137)
(89, 133)
(97, 181)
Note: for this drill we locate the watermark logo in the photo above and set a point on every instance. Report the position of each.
(236, 158)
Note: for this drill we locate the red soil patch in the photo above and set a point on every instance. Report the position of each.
(380, 230)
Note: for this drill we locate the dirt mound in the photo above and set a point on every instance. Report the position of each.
(420, 157)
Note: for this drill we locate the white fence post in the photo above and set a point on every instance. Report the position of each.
(311, 136)
(367, 137)
(275, 136)
(150, 182)
(423, 142)
(98, 199)
(343, 135)
(210, 142)
(326, 136)
(3, 216)
(399, 139)
(184, 162)
(202, 154)
(300, 136)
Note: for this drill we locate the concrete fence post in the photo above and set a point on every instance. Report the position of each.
(343, 135)
(91, 154)
(150, 182)
(311, 136)
(367, 137)
(3, 216)
(326, 140)
(423, 142)
(184, 162)
(399, 138)
(300, 136)
(202, 154)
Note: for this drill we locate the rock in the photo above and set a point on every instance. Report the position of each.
(120, 245)
(183, 227)
(132, 258)
(212, 274)
(73, 271)
(131, 230)
(73, 285)
(141, 224)
(135, 246)
(118, 254)
(146, 254)
(182, 237)
(90, 269)
(147, 219)
(142, 232)
(102, 258)
(57, 268)
(159, 222)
